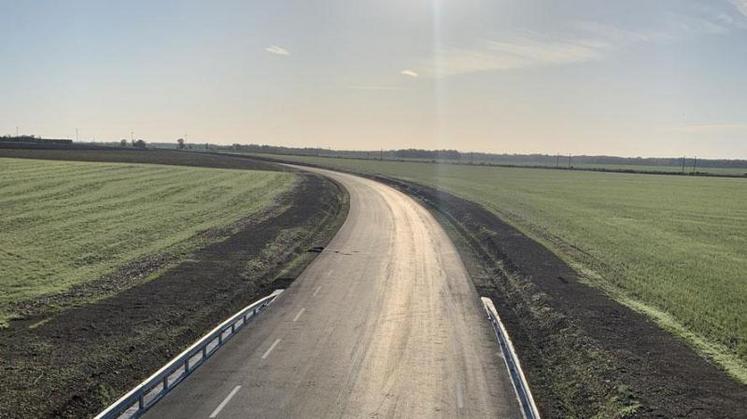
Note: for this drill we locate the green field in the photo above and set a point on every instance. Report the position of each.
(674, 247)
(561, 163)
(67, 223)
(730, 171)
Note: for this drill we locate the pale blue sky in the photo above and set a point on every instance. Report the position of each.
(633, 77)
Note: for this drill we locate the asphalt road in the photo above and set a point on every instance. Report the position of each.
(384, 323)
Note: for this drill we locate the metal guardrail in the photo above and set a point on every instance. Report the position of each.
(521, 386)
(138, 400)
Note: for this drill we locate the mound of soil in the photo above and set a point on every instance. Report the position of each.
(584, 354)
(81, 359)
(155, 156)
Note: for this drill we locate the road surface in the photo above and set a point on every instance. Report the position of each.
(384, 323)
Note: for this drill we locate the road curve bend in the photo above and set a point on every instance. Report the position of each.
(384, 323)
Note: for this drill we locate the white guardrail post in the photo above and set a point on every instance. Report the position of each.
(141, 398)
(521, 386)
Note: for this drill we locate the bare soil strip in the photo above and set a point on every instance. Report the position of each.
(75, 362)
(584, 354)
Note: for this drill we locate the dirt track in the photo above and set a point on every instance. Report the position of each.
(75, 362)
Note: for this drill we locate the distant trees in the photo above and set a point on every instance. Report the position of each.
(412, 153)
(180, 144)
(123, 143)
(138, 144)
(33, 139)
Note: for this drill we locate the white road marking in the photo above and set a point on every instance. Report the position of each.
(460, 396)
(274, 344)
(316, 291)
(299, 314)
(225, 402)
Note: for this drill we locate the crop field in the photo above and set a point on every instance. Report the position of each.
(673, 247)
(67, 223)
(561, 163)
(730, 171)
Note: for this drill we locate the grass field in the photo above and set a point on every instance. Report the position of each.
(562, 163)
(674, 247)
(66, 223)
(732, 171)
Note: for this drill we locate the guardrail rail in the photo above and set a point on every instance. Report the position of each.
(521, 386)
(138, 400)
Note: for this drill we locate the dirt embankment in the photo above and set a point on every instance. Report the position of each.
(585, 355)
(79, 360)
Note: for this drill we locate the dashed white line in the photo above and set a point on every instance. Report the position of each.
(460, 396)
(274, 344)
(225, 402)
(316, 291)
(299, 314)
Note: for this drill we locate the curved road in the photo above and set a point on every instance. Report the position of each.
(384, 323)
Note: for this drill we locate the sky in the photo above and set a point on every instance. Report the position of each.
(628, 78)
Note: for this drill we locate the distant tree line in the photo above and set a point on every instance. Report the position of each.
(453, 156)
(32, 139)
(135, 143)
(549, 160)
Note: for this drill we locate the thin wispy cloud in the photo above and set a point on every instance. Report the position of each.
(381, 88)
(409, 73)
(741, 5)
(583, 42)
(684, 26)
(711, 128)
(516, 53)
(617, 36)
(274, 49)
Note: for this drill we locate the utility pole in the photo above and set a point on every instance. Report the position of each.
(76, 135)
(132, 136)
